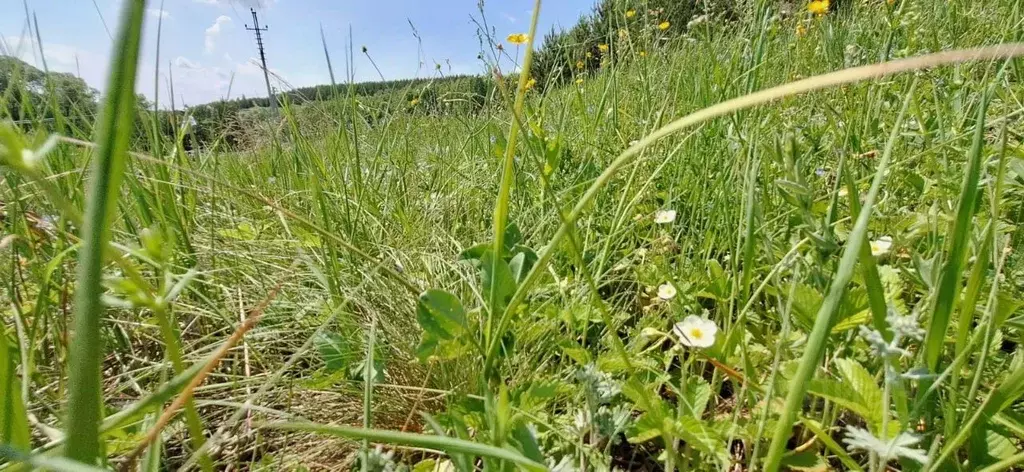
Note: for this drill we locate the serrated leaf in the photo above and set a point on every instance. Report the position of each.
(845, 397)
(647, 427)
(701, 437)
(861, 381)
(698, 392)
(807, 460)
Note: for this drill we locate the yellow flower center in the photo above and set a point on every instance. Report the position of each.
(696, 333)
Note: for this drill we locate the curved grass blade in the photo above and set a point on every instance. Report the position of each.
(114, 131)
(447, 444)
(798, 87)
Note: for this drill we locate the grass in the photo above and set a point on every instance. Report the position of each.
(481, 290)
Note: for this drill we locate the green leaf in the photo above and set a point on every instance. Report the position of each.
(857, 378)
(497, 276)
(333, 350)
(701, 437)
(698, 392)
(959, 230)
(844, 396)
(831, 444)
(989, 446)
(647, 427)
(575, 352)
(807, 460)
(440, 314)
(13, 420)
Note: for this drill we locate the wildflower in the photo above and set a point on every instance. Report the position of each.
(630, 13)
(518, 38)
(579, 64)
(664, 25)
(801, 29)
(531, 83)
(643, 53)
(696, 21)
(579, 81)
(818, 7)
(881, 246)
(602, 47)
(666, 291)
(897, 447)
(820, 172)
(589, 55)
(271, 180)
(904, 326)
(623, 34)
(695, 331)
(664, 216)
(414, 102)
(843, 192)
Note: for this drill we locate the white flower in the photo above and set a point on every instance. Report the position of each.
(666, 291)
(695, 331)
(843, 192)
(664, 216)
(857, 438)
(881, 246)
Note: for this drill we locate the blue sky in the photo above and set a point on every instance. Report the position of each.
(204, 42)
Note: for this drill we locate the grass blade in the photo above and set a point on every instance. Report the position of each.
(949, 283)
(114, 125)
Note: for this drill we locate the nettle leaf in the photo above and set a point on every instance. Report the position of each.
(647, 427)
(441, 314)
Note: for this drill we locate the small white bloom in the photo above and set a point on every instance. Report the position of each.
(271, 180)
(695, 331)
(664, 216)
(857, 438)
(881, 246)
(843, 192)
(666, 291)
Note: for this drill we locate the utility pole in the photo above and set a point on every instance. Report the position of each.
(263, 58)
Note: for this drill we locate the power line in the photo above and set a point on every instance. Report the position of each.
(263, 57)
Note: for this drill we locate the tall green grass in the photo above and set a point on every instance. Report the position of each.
(483, 288)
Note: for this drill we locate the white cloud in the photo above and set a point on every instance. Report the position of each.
(158, 13)
(183, 62)
(214, 31)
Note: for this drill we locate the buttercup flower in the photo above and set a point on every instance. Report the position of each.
(602, 47)
(695, 331)
(666, 291)
(531, 83)
(643, 53)
(579, 81)
(518, 38)
(818, 7)
(664, 216)
(630, 13)
(664, 25)
(881, 246)
(579, 64)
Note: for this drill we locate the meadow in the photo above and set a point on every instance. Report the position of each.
(782, 236)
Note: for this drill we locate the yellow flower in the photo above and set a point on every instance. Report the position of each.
(602, 47)
(518, 38)
(414, 102)
(579, 81)
(801, 29)
(630, 13)
(664, 25)
(643, 53)
(818, 7)
(531, 83)
(589, 55)
(623, 34)
(579, 64)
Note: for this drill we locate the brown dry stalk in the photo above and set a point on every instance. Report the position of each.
(212, 363)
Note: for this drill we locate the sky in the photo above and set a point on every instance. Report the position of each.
(206, 48)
